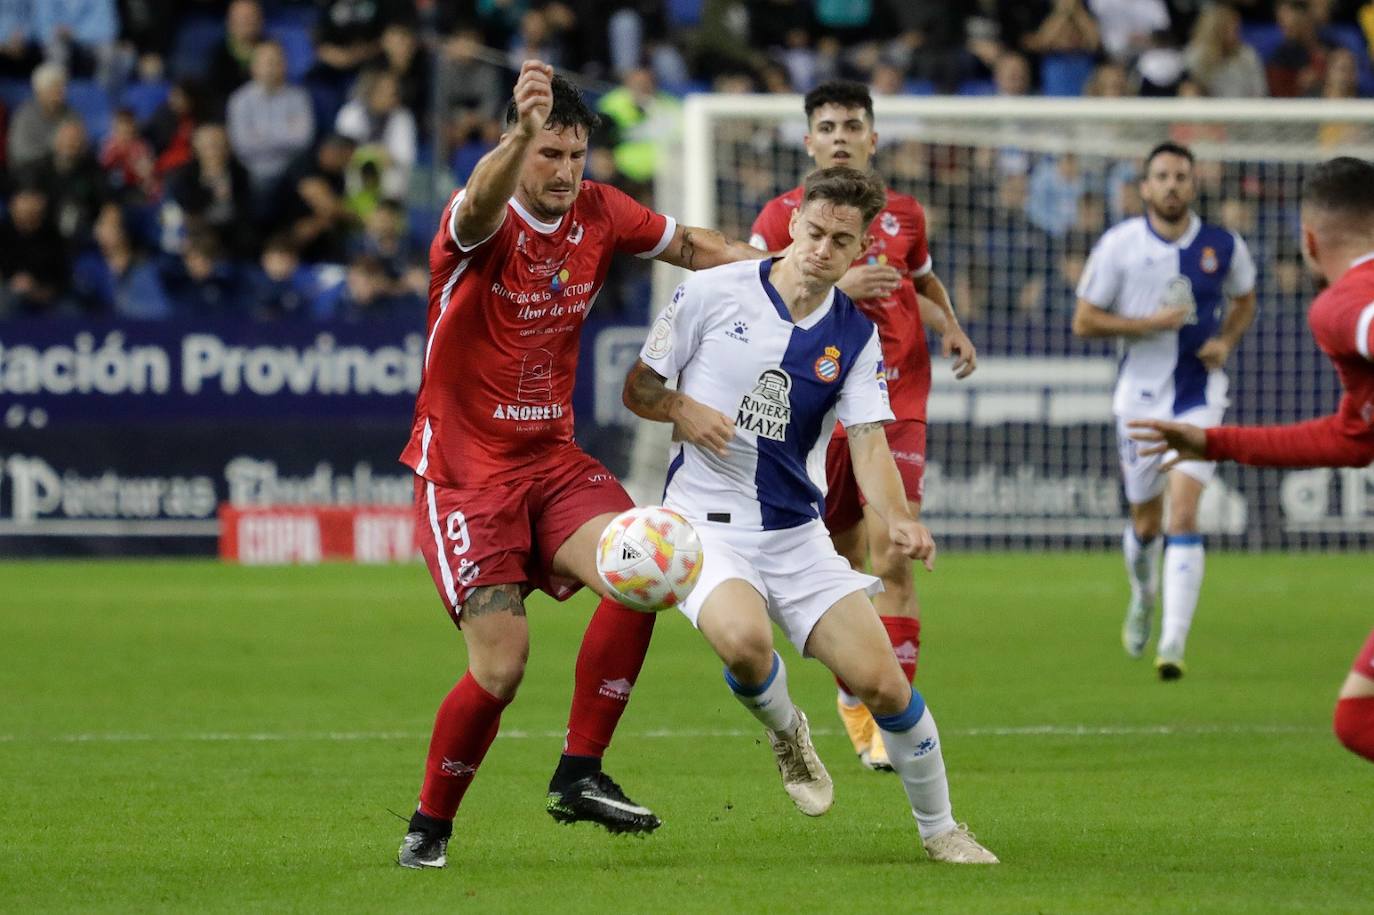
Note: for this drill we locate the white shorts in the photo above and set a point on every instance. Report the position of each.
(1141, 476)
(796, 569)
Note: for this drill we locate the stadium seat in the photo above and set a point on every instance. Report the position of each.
(194, 46)
(144, 99)
(978, 87)
(683, 13)
(291, 14)
(296, 43)
(14, 92)
(465, 159)
(1264, 37)
(90, 100)
(918, 87)
(1065, 74)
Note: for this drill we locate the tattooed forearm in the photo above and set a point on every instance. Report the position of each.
(493, 599)
(862, 429)
(646, 395)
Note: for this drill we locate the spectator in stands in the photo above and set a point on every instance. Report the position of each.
(383, 129)
(931, 40)
(1044, 27)
(403, 57)
(204, 282)
(212, 193)
(1160, 67)
(171, 126)
(1298, 65)
(282, 287)
(638, 117)
(232, 65)
(35, 123)
(317, 214)
(1109, 80)
(18, 54)
(370, 295)
(82, 35)
(1126, 26)
(471, 91)
(72, 181)
(34, 264)
(128, 160)
(384, 237)
(1221, 62)
(117, 277)
(1009, 252)
(1056, 187)
(148, 26)
(1012, 74)
(270, 124)
(537, 39)
(349, 35)
(1342, 82)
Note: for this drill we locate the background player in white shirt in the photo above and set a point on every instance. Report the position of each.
(1161, 283)
(775, 346)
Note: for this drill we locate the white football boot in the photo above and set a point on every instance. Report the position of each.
(959, 846)
(803, 774)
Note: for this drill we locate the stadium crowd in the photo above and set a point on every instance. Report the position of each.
(282, 160)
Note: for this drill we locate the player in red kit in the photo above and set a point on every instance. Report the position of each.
(1338, 245)
(893, 282)
(505, 500)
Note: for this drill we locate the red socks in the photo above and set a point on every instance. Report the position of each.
(905, 634)
(1355, 725)
(463, 731)
(612, 653)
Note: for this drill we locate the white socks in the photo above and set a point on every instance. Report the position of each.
(1183, 564)
(1142, 563)
(913, 746)
(769, 702)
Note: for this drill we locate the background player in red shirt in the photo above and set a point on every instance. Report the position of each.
(505, 500)
(1338, 245)
(885, 280)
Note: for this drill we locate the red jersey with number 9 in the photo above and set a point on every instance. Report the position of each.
(898, 240)
(504, 323)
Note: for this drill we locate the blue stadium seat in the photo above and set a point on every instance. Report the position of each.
(291, 14)
(465, 159)
(14, 92)
(978, 87)
(194, 46)
(683, 13)
(1264, 37)
(421, 224)
(918, 87)
(144, 99)
(296, 43)
(1065, 74)
(90, 100)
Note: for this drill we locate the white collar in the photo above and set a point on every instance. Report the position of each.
(1361, 260)
(544, 228)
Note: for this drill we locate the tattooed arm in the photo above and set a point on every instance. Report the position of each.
(647, 395)
(877, 476)
(696, 249)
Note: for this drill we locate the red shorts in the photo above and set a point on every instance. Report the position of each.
(507, 533)
(844, 503)
(1364, 662)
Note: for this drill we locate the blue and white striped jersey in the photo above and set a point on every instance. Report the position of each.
(1135, 273)
(733, 345)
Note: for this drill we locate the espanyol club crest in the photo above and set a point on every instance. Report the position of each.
(1208, 261)
(828, 366)
(888, 223)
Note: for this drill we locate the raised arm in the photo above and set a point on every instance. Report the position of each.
(493, 181)
(696, 248)
(877, 476)
(1089, 321)
(648, 396)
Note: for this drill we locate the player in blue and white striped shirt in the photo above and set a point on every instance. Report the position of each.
(1178, 293)
(768, 356)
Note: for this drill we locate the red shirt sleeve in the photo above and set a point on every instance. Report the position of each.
(771, 226)
(638, 229)
(1344, 331)
(1324, 442)
(920, 249)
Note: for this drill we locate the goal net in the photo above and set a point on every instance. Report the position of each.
(1023, 454)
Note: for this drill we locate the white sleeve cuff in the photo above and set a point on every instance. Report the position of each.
(925, 268)
(669, 227)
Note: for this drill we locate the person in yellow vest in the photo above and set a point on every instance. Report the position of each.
(640, 119)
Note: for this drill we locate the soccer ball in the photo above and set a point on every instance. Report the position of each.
(650, 558)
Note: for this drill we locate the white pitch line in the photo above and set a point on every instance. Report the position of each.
(1037, 730)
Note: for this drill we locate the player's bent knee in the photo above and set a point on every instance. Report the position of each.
(748, 654)
(884, 692)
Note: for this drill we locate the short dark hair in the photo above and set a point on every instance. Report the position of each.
(845, 186)
(1169, 148)
(1344, 186)
(569, 109)
(840, 92)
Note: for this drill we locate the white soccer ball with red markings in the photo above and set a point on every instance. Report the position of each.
(650, 558)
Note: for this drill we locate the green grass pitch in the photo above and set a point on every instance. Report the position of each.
(191, 737)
